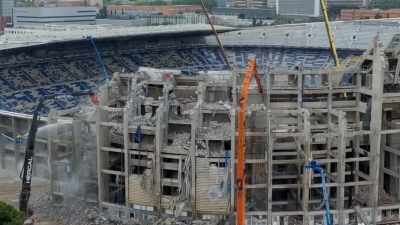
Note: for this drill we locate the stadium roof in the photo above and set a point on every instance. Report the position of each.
(355, 35)
(23, 36)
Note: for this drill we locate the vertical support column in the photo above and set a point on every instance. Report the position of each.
(16, 129)
(342, 143)
(102, 140)
(127, 115)
(356, 143)
(2, 154)
(193, 131)
(329, 138)
(51, 148)
(307, 155)
(77, 156)
(160, 136)
(269, 166)
(232, 115)
(166, 90)
(376, 127)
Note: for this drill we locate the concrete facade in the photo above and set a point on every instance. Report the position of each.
(180, 163)
(40, 16)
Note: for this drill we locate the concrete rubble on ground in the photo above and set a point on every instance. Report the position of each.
(220, 105)
(215, 131)
(383, 197)
(81, 214)
(180, 143)
(146, 120)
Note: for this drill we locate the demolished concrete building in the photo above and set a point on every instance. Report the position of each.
(161, 144)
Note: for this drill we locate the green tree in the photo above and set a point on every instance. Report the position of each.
(208, 3)
(9, 215)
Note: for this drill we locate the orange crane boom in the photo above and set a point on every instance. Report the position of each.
(241, 148)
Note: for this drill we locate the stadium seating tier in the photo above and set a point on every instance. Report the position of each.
(23, 80)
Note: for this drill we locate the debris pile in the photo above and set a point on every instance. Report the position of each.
(384, 198)
(81, 214)
(215, 131)
(146, 120)
(217, 106)
(180, 143)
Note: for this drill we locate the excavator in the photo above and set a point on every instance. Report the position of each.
(26, 172)
(241, 148)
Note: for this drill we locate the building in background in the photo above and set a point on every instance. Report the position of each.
(359, 3)
(123, 22)
(357, 14)
(166, 10)
(68, 2)
(298, 8)
(247, 3)
(243, 13)
(40, 16)
(6, 7)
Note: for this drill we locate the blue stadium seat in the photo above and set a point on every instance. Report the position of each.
(23, 84)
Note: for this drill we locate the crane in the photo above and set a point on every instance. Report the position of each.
(241, 148)
(318, 168)
(329, 32)
(26, 172)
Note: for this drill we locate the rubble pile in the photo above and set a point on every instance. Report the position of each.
(180, 143)
(383, 197)
(220, 105)
(393, 216)
(81, 214)
(215, 131)
(146, 120)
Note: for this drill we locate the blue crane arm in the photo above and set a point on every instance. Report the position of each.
(326, 201)
(314, 166)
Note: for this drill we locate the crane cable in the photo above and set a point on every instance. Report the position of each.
(225, 55)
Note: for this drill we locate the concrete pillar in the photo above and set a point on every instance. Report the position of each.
(102, 140)
(160, 136)
(232, 115)
(376, 126)
(269, 168)
(307, 154)
(342, 142)
(127, 115)
(77, 156)
(52, 149)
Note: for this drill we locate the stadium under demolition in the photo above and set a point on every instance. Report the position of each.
(160, 144)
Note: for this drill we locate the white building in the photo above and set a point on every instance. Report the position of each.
(6, 7)
(39, 16)
(310, 8)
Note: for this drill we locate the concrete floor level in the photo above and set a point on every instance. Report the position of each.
(159, 145)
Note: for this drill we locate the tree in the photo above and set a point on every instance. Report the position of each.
(9, 215)
(29, 3)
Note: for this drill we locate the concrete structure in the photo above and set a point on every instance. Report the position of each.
(6, 7)
(182, 162)
(125, 23)
(166, 10)
(243, 13)
(40, 16)
(308, 8)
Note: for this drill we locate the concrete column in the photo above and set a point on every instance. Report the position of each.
(376, 127)
(16, 129)
(342, 142)
(329, 138)
(307, 154)
(102, 140)
(193, 130)
(232, 115)
(127, 115)
(269, 167)
(159, 135)
(77, 155)
(52, 149)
